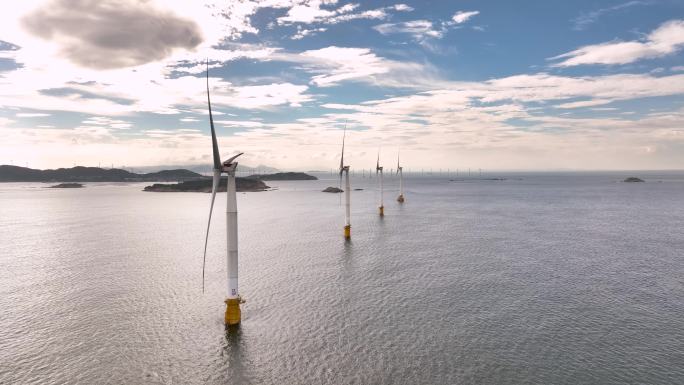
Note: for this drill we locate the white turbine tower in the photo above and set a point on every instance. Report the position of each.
(378, 169)
(347, 191)
(400, 171)
(233, 301)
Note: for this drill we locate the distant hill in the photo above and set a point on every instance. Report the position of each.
(67, 185)
(172, 175)
(206, 168)
(90, 174)
(284, 176)
(204, 185)
(332, 189)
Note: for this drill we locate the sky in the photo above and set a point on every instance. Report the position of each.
(497, 85)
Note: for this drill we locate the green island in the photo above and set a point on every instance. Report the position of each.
(284, 176)
(333, 190)
(67, 185)
(204, 185)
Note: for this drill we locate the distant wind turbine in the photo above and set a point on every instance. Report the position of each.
(347, 190)
(378, 169)
(232, 316)
(400, 171)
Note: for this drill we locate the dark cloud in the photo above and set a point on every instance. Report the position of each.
(105, 34)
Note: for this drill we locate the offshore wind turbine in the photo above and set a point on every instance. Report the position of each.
(378, 169)
(347, 191)
(233, 301)
(400, 171)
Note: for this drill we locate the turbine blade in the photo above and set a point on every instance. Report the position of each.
(229, 161)
(214, 143)
(397, 162)
(339, 184)
(344, 135)
(214, 187)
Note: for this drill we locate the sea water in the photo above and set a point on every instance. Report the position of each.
(540, 278)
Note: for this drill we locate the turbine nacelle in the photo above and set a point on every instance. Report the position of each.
(229, 166)
(378, 167)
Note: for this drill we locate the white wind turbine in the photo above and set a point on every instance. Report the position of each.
(400, 171)
(347, 191)
(378, 169)
(233, 301)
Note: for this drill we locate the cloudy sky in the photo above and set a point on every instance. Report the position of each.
(483, 84)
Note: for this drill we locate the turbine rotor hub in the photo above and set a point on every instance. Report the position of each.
(229, 167)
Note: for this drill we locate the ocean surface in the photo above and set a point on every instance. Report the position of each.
(541, 278)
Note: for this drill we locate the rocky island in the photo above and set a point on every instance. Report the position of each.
(67, 185)
(284, 176)
(333, 190)
(633, 179)
(204, 185)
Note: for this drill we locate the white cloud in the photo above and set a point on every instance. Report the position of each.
(105, 121)
(540, 87)
(464, 124)
(455, 122)
(89, 34)
(463, 16)
(581, 22)
(665, 40)
(380, 13)
(259, 96)
(30, 115)
(312, 11)
(190, 63)
(485, 107)
(308, 13)
(333, 65)
(584, 103)
(47, 80)
(303, 32)
(239, 123)
(144, 88)
(417, 28)
(421, 30)
(347, 8)
(340, 64)
(403, 8)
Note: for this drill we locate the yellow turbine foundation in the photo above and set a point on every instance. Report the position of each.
(233, 314)
(382, 210)
(347, 232)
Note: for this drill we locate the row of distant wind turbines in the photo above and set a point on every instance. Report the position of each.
(344, 170)
(233, 301)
